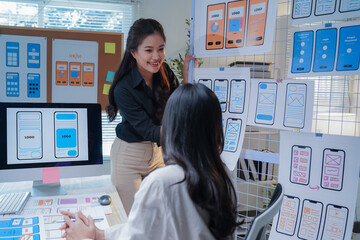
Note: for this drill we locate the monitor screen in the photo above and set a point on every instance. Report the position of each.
(41, 135)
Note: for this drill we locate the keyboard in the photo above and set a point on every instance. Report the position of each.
(13, 203)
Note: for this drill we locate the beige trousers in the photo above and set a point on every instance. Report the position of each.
(130, 164)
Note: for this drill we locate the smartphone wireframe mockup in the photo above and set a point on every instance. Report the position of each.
(12, 54)
(325, 50)
(236, 17)
(310, 219)
(349, 51)
(33, 85)
(333, 169)
(12, 84)
(288, 215)
(302, 52)
(349, 6)
(66, 134)
(232, 134)
(301, 9)
(206, 82)
(335, 222)
(61, 73)
(75, 74)
(324, 7)
(215, 26)
(221, 91)
(29, 135)
(256, 22)
(237, 95)
(295, 105)
(300, 164)
(88, 74)
(266, 103)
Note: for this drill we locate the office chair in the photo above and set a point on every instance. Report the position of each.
(260, 223)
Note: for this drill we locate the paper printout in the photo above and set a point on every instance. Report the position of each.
(285, 104)
(22, 227)
(310, 11)
(324, 50)
(317, 173)
(23, 68)
(231, 86)
(55, 204)
(43, 226)
(233, 28)
(74, 71)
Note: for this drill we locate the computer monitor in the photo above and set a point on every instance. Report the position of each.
(34, 136)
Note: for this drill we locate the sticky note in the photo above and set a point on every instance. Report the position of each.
(110, 47)
(110, 76)
(51, 175)
(106, 89)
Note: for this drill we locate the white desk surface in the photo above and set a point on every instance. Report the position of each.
(81, 185)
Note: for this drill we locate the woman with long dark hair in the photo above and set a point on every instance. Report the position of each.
(140, 90)
(192, 197)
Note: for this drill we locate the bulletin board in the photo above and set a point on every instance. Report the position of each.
(99, 52)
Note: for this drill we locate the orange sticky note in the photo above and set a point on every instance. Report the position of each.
(51, 175)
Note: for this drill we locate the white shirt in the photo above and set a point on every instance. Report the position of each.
(162, 210)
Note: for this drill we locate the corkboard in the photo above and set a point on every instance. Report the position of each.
(106, 61)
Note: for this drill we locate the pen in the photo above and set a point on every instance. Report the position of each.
(73, 220)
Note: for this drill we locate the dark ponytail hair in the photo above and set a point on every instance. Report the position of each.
(192, 136)
(140, 29)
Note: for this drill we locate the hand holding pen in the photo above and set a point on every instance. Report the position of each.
(78, 226)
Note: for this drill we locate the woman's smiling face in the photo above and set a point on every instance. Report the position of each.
(150, 54)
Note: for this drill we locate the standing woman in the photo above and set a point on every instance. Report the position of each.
(140, 90)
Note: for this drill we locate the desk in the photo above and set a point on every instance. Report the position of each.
(81, 186)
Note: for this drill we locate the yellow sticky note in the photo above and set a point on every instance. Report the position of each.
(296, 130)
(106, 89)
(110, 47)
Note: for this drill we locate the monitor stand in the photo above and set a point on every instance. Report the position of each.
(47, 189)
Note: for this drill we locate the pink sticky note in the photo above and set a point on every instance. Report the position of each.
(51, 175)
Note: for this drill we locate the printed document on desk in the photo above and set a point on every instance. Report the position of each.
(55, 204)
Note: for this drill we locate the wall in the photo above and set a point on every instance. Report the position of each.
(171, 14)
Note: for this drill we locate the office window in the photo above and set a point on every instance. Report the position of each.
(89, 15)
(19, 14)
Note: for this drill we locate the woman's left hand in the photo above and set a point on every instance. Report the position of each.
(79, 229)
(187, 60)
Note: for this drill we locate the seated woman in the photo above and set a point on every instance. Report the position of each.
(192, 197)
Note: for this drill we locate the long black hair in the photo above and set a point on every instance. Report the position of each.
(192, 136)
(140, 29)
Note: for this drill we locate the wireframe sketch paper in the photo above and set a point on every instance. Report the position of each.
(233, 28)
(17, 227)
(47, 226)
(74, 71)
(317, 173)
(324, 50)
(52, 205)
(310, 11)
(285, 104)
(231, 86)
(23, 68)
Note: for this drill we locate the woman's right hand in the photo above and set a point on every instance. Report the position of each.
(187, 60)
(81, 228)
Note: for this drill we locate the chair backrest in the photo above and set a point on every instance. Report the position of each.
(260, 223)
